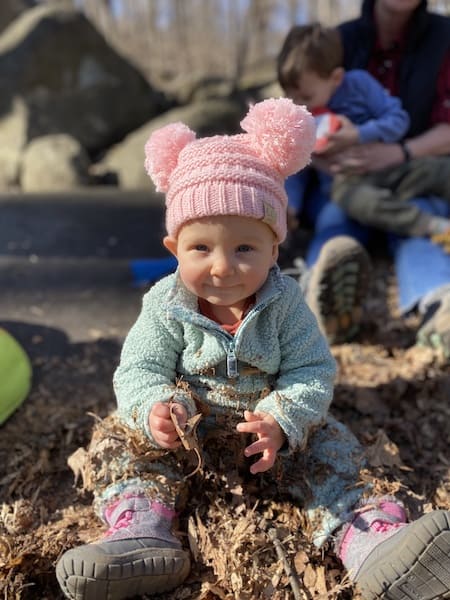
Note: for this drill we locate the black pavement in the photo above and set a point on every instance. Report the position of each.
(65, 259)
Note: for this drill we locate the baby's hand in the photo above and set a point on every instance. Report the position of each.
(270, 439)
(161, 424)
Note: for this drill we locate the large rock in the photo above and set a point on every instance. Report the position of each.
(54, 163)
(70, 79)
(207, 117)
(10, 9)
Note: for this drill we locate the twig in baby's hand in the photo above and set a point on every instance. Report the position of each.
(188, 436)
(288, 569)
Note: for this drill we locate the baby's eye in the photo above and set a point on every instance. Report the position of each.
(244, 248)
(201, 247)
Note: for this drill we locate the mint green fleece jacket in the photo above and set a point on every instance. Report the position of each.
(278, 361)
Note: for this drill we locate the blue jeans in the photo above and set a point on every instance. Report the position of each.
(421, 266)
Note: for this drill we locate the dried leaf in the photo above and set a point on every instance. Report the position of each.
(77, 462)
(193, 538)
(300, 561)
(383, 452)
(309, 577)
(188, 435)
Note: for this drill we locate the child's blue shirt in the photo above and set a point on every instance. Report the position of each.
(378, 115)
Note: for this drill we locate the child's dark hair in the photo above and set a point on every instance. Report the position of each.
(309, 47)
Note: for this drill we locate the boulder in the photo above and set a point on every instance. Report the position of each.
(191, 89)
(54, 163)
(271, 90)
(260, 82)
(71, 80)
(9, 9)
(207, 117)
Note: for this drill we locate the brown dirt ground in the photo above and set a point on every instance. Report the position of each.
(394, 396)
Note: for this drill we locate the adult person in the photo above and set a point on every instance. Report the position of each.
(311, 73)
(407, 48)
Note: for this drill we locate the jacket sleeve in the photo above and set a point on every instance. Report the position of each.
(304, 386)
(147, 370)
(389, 121)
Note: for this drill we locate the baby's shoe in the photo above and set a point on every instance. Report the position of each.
(138, 555)
(337, 288)
(388, 558)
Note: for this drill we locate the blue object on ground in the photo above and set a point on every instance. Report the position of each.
(415, 278)
(149, 270)
(413, 257)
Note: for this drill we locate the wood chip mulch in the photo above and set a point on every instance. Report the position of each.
(393, 395)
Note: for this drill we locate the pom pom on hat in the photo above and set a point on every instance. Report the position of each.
(240, 174)
(282, 132)
(162, 150)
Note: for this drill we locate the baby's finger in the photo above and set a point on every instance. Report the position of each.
(249, 415)
(253, 427)
(163, 424)
(265, 463)
(254, 423)
(180, 413)
(257, 447)
(161, 409)
(167, 440)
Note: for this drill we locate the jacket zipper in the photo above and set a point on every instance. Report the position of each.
(232, 368)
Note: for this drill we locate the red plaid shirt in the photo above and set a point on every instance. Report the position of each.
(384, 66)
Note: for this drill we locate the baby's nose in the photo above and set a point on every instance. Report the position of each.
(223, 265)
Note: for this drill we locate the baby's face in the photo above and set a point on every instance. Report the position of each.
(224, 259)
(312, 90)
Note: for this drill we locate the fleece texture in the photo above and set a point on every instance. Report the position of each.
(277, 362)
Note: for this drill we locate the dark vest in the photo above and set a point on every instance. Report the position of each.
(426, 46)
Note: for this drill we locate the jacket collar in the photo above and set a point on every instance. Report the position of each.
(181, 299)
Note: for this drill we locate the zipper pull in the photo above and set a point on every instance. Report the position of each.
(232, 368)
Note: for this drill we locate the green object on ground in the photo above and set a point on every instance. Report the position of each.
(15, 375)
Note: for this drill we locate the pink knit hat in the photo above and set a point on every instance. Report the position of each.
(232, 175)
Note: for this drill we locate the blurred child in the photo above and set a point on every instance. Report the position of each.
(229, 340)
(311, 73)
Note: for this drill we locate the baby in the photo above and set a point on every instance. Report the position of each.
(229, 341)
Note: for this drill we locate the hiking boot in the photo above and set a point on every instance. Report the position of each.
(390, 559)
(299, 271)
(435, 328)
(337, 287)
(138, 555)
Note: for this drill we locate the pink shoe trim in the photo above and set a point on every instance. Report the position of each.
(126, 516)
(108, 511)
(389, 507)
(124, 521)
(394, 509)
(383, 526)
(163, 510)
(346, 542)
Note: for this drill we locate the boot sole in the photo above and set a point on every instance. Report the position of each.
(413, 564)
(338, 288)
(99, 576)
